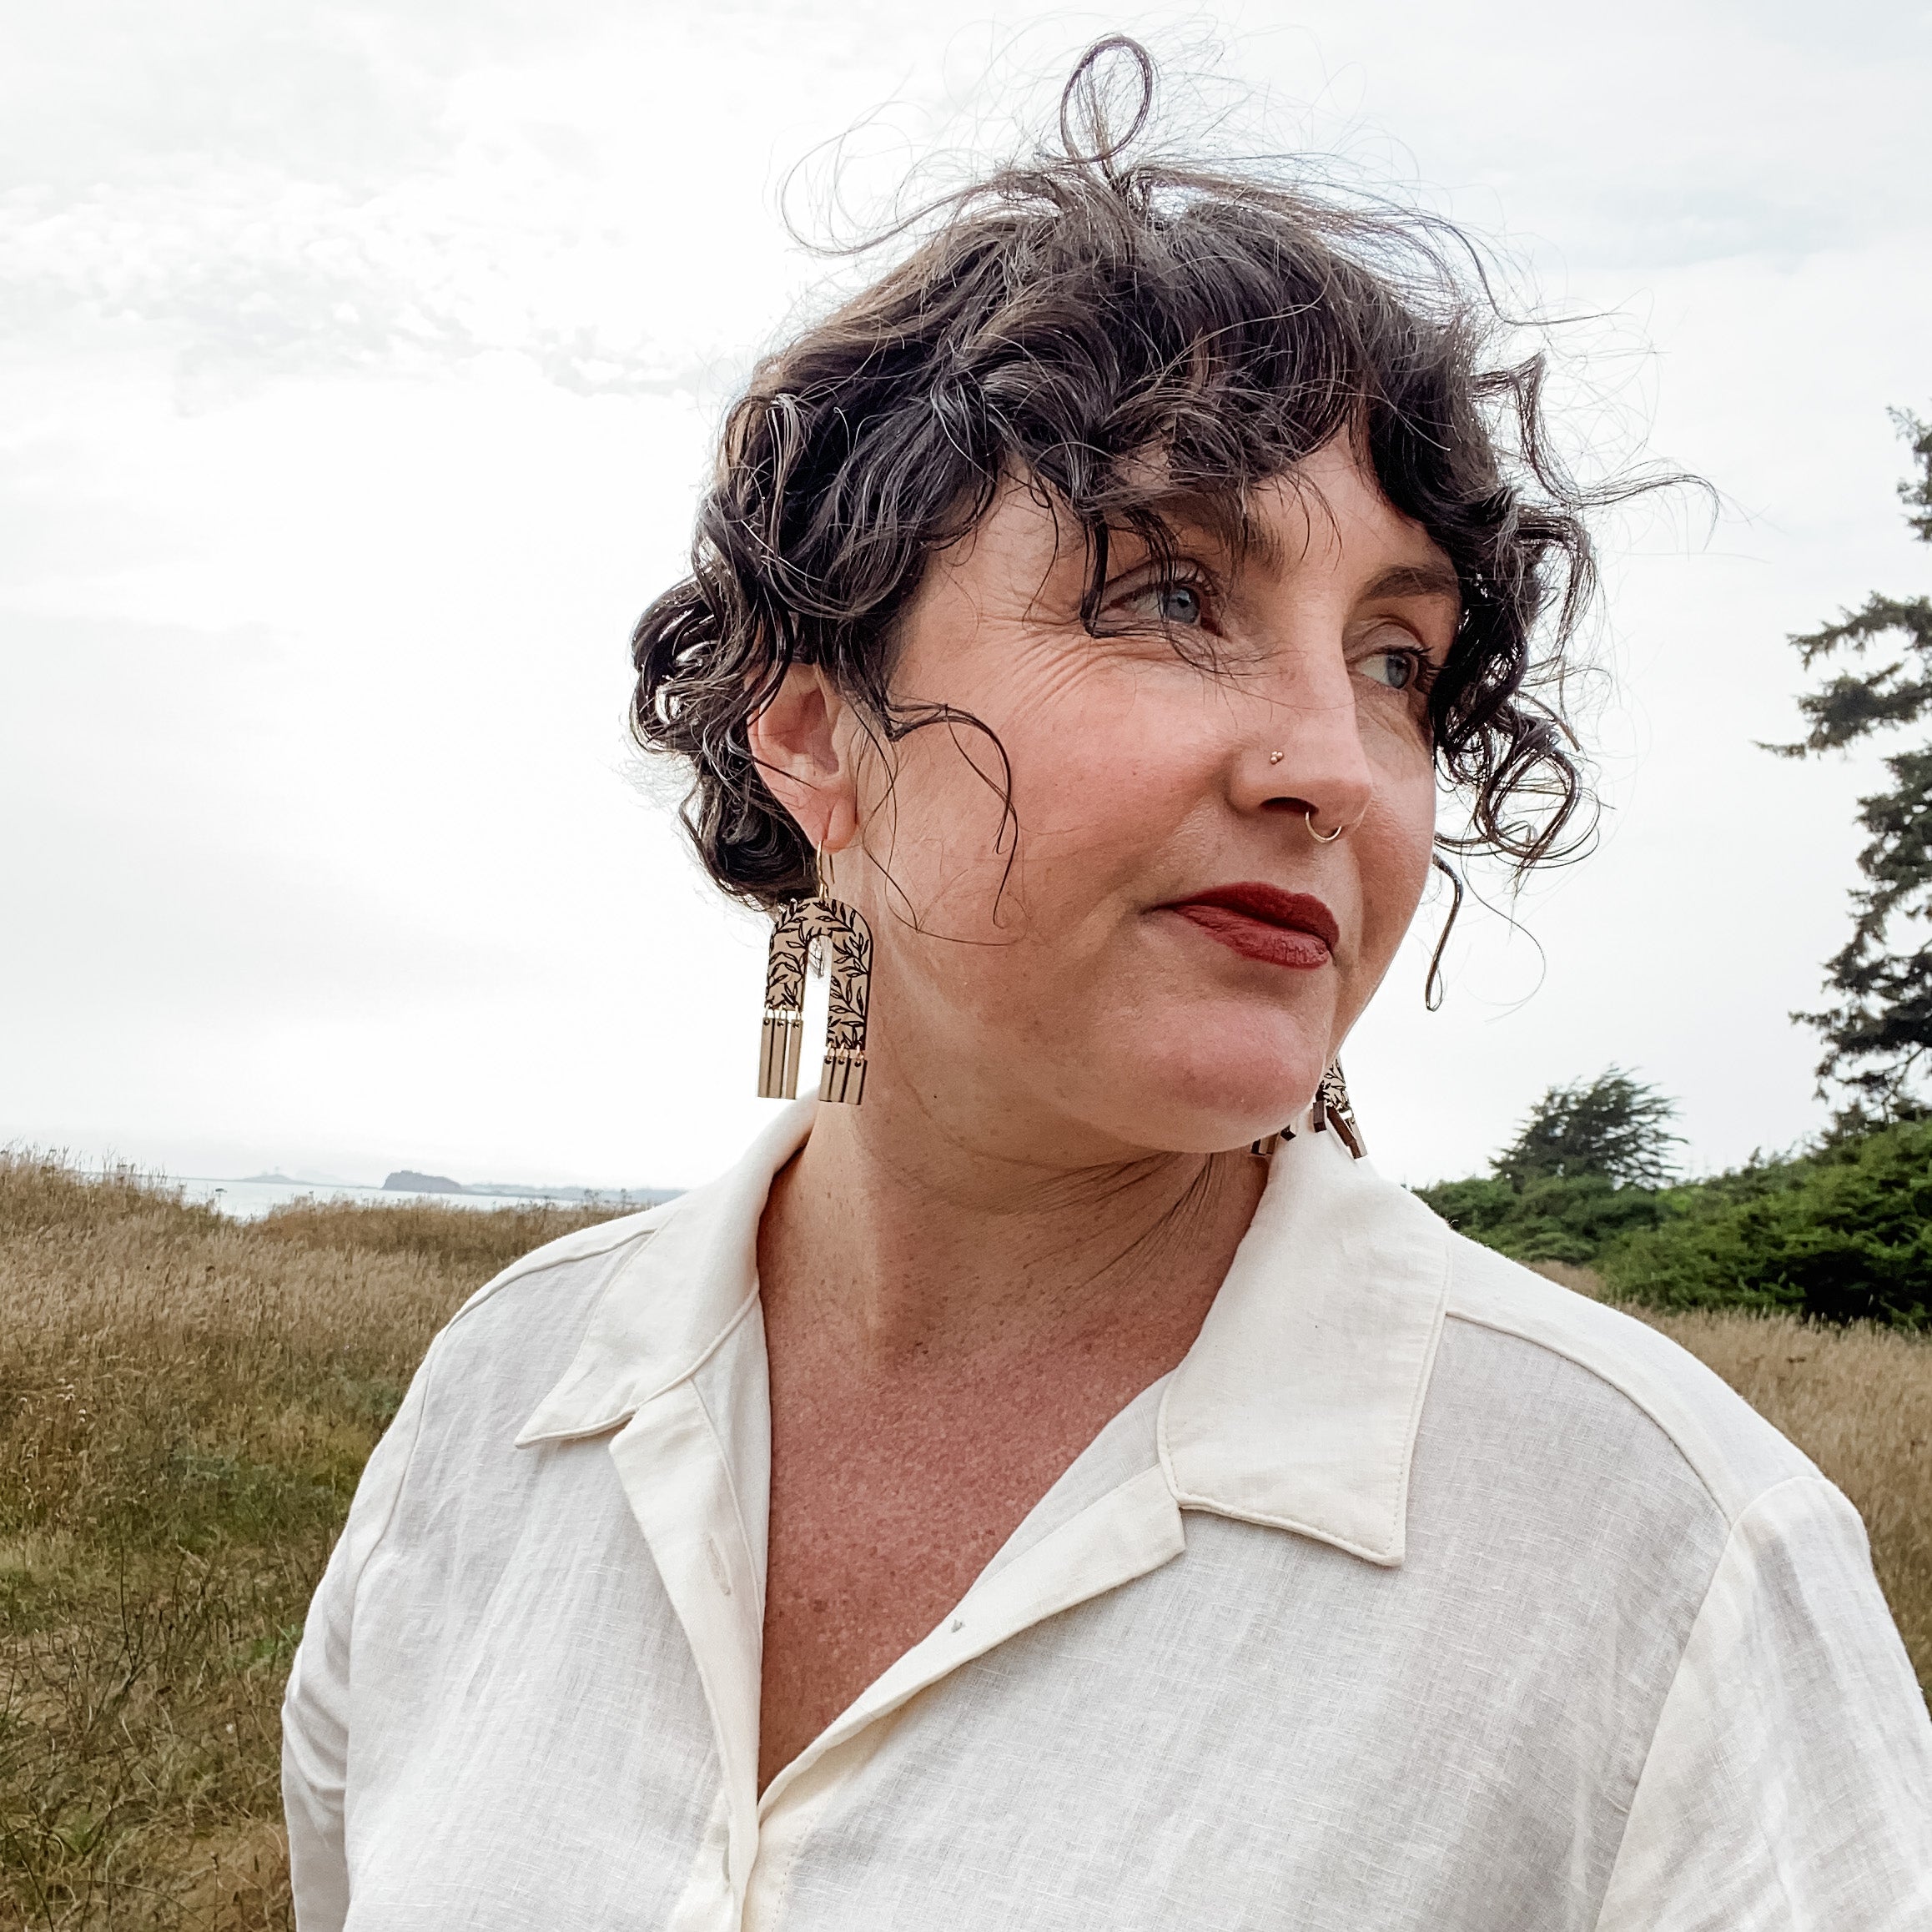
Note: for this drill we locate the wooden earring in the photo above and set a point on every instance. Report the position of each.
(835, 930)
(1332, 1109)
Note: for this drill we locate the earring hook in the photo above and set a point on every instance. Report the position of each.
(1433, 988)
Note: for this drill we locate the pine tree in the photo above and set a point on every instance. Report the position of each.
(1879, 1032)
(1612, 1127)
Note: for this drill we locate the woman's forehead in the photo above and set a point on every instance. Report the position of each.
(1272, 529)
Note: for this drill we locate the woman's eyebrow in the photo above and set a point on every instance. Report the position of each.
(1429, 580)
(1230, 529)
(1191, 516)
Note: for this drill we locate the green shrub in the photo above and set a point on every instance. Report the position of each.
(1558, 1218)
(1842, 1234)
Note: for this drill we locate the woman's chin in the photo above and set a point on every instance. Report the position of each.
(1204, 1103)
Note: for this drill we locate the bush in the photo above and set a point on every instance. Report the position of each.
(1842, 1234)
(1568, 1218)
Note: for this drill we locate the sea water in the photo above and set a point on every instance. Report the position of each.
(248, 1200)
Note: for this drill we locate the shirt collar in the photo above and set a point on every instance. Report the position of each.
(1299, 1403)
(1296, 1406)
(675, 1297)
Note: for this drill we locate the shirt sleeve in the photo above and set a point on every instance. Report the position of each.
(1788, 1785)
(315, 1706)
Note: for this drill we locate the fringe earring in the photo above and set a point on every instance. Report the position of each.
(830, 927)
(1331, 1109)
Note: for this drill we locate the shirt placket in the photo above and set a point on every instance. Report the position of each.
(676, 1474)
(1132, 1530)
(676, 1478)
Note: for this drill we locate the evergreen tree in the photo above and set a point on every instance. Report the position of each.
(1879, 1031)
(1613, 1127)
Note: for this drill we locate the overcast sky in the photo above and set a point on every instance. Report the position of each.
(360, 365)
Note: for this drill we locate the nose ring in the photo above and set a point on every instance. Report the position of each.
(1321, 838)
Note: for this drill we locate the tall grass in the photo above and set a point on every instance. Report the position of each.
(1858, 1402)
(185, 1404)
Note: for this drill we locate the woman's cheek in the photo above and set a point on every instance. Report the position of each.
(1396, 860)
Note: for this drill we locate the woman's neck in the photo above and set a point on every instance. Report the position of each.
(912, 1238)
(949, 1326)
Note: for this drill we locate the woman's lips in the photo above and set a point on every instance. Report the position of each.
(1261, 922)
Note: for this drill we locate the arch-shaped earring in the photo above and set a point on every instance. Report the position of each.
(840, 931)
(785, 966)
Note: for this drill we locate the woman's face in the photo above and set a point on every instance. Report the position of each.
(1161, 955)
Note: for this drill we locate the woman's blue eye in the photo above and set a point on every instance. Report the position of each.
(1180, 604)
(1397, 669)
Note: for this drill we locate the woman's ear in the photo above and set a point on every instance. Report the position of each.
(802, 743)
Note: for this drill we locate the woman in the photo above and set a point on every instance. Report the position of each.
(1004, 1500)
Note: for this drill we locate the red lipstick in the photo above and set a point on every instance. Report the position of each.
(1261, 922)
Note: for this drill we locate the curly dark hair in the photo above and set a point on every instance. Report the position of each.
(1062, 321)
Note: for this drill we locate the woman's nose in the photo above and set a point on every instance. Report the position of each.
(1306, 755)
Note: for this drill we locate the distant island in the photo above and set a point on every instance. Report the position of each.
(407, 1180)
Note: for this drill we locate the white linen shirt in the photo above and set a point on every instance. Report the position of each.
(1422, 1594)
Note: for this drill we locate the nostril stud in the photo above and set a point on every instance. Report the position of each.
(1275, 758)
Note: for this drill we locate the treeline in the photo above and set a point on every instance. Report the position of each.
(1842, 1232)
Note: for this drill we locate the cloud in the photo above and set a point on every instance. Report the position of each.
(314, 656)
(298, 191)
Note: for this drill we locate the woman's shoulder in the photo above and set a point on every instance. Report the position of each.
(582, 1260)
(1650, 1398)
(497, 1356)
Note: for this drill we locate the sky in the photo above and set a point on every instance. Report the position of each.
(359, 365)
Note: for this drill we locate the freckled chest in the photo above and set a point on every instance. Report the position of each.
(891, 1493)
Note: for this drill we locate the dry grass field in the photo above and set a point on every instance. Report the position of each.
(185, 1404)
